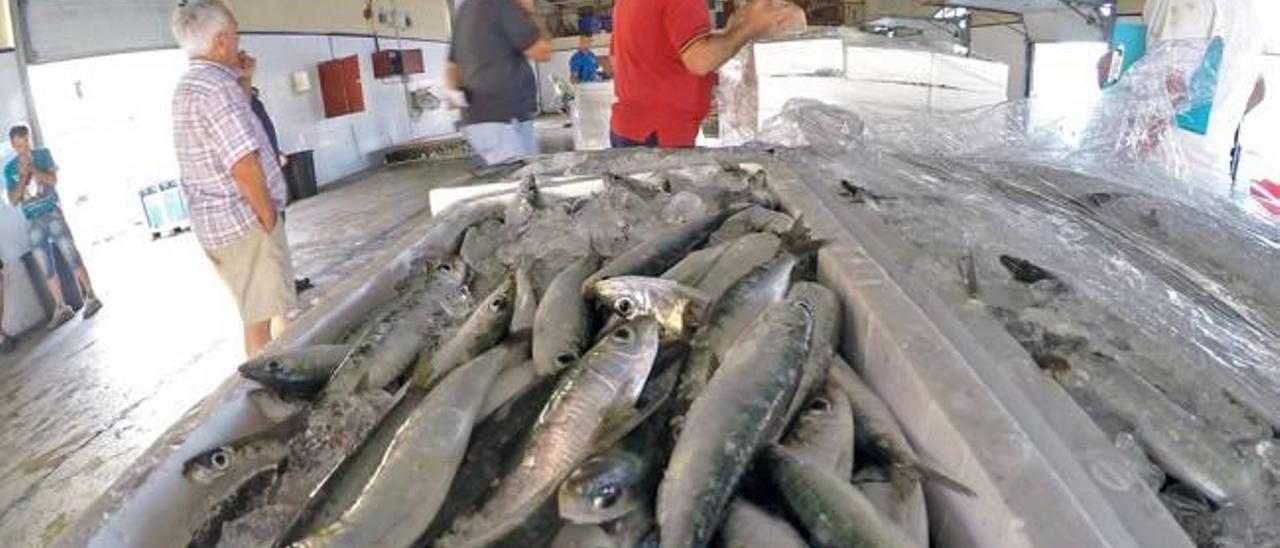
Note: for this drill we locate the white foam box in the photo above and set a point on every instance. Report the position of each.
(816, 56)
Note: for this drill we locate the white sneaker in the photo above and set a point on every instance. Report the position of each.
(60, 316)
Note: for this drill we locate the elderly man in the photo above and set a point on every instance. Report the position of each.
(235, 190)
(31, 180)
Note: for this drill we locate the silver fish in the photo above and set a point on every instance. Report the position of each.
(301, 372)
(748, 526)
(741, 410)
(402, 496)
(901, 500)
(607, 380)
(740, 305)
(487, 325)
(878, 431)
(753, 219)
(676, 307)
(823, 432)
(833, 512)
(236, 457)
(562, 322)
(740, 257)
(389, 345)
(660, 252)
(826, 328)
(603, 488)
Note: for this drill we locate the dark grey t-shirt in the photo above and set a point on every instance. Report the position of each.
(489, 40)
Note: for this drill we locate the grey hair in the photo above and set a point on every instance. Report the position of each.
(197, 22)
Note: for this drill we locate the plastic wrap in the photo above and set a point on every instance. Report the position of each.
(843, 67)
(1150, 298)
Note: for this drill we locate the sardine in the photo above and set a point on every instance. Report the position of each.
(901, 500)
(826, 337)
(487, 325)
(270, 445)
(741, 410)
(740, 305)
(823, 432)
(298, 373)
(561, 326)
(748, 526)
(676, 307)
(403, 494)
(834, 513)
(753, 219)
(608, 379)
(878, 432)
(660, 252)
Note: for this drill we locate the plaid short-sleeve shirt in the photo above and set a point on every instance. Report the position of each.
(213, 128)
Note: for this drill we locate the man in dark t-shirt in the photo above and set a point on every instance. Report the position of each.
(665, 58)
(493, 42)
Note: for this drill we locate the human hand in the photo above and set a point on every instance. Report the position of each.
(248, 64)
(282, 159)
(768, 17)
(268, 222)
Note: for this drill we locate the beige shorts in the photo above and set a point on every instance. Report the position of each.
(257, 270)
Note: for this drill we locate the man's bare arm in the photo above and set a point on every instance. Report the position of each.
(252, 183)
(451, 75)
(705, 55)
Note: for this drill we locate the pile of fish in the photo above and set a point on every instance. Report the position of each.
(1159, 315)
(672, 381)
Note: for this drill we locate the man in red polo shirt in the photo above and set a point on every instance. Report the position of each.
(665, 58)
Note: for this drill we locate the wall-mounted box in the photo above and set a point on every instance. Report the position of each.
(397, 62)
(340, 86)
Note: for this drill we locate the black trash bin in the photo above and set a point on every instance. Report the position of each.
(300, 175)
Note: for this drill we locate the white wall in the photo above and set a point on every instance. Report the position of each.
(1006, 45)
(346, 144)
(12, 104)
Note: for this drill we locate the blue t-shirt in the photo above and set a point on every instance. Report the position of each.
(583, 65)
(34, 207)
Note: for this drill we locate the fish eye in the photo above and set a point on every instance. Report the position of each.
(220, 459)
(820, 405)
(274, 365)
(498, 303)
(622, 334)
(608, 497)
(625, 307)
(444, 267)
(565, 358)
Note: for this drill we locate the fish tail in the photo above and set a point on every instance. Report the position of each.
(930, 472)
(799, 240)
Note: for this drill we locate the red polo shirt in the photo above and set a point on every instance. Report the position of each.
(656, 93)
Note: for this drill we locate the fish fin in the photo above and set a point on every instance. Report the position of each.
(699, 304)
(931, 472)
(799, 241)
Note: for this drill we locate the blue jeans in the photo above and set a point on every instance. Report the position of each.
(50, 231)
(618, 141)
(500, 143)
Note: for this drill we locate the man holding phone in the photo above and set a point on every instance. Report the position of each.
(31, 181)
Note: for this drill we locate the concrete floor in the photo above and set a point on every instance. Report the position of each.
(78, 405)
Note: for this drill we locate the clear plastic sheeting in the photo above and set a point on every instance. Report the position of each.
(1151, 299)
(870, 73)
(591, 110)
